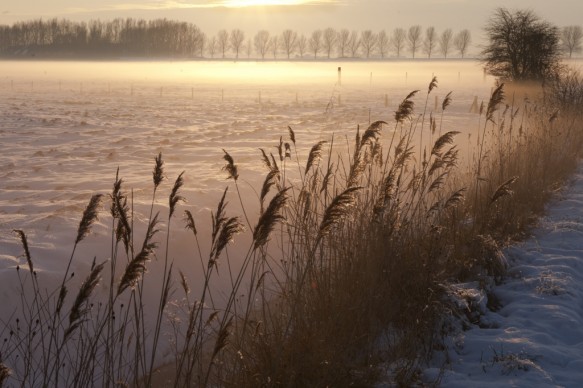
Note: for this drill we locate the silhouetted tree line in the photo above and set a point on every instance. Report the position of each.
(61, 37)
(162, 37)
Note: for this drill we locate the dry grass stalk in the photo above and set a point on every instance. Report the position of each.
(372, 133)
(503, 190)
(230, 167)
(24, 243)
(405, 108)
(229, 229)
(432, 85)
(337, 210)
(135, 268)
(190, 224)
(495, 101)
(446, 101)
(442, 141)
(270, 180)
(174, 196)
(89, 217)
(158, 173)
(269, 219)
(315, 155)
(265, 158)
(79, 306)
(292, 135)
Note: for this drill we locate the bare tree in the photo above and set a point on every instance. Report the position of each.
(223, 41)
(571, 37)
(445, 42)
(274, 45)
(203, 43)
(211, 46)
(315, 42)
(462, 42)
(343, 37)
(430, 41)
(368, 41)
(237, 38)
(414, 39)
(288, 41)
(398, 40)
(302, 45)
(249, 48)
(383, 43)
(521, 46)
(261, 42)
(354, 44)
(329, 40)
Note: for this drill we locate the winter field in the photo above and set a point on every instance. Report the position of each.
(67, 127)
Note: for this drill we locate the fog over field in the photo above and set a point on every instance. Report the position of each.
(67, 126)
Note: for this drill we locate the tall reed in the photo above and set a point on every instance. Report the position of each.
(346, 267)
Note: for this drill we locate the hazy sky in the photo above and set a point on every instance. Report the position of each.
(301, 15)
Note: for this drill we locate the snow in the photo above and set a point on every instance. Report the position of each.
(66, 127)
(536, 338)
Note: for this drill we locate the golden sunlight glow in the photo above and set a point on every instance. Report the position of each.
(251, 3)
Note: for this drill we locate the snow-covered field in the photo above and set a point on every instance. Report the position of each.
(535, 336)
(65, 128)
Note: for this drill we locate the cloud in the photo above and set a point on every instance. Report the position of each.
(194, 4)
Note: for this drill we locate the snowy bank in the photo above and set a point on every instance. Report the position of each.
(535, 338)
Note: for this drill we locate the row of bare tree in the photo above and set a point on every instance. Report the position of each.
(345, 43)
(162, 37)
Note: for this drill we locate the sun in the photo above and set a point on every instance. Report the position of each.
(251, 3)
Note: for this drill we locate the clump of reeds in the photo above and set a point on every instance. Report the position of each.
(347, 247)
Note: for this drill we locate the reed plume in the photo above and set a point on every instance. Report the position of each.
(503, 190)
(24, 242)
(135, 268)
(372, 133)
(405, 108)
(270, 180)
(337, 210)
(78, 309)
(315, 155)
(265, 158)
(158, 173)
(219, 218)
(280, 149)
(456, 198)
(495, 100)
(230, 167)
(229, 229)
(61, 300)
(190, 224)
(89, 217)
(446, 101)
(292, 135)
(222, 338)
(432, 85)
(269, 219)
(174, 196)
(442, 141)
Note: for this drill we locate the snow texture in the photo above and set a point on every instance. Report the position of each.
(535, 339)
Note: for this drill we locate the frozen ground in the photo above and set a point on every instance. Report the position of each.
(535, 339)
(66, 127)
